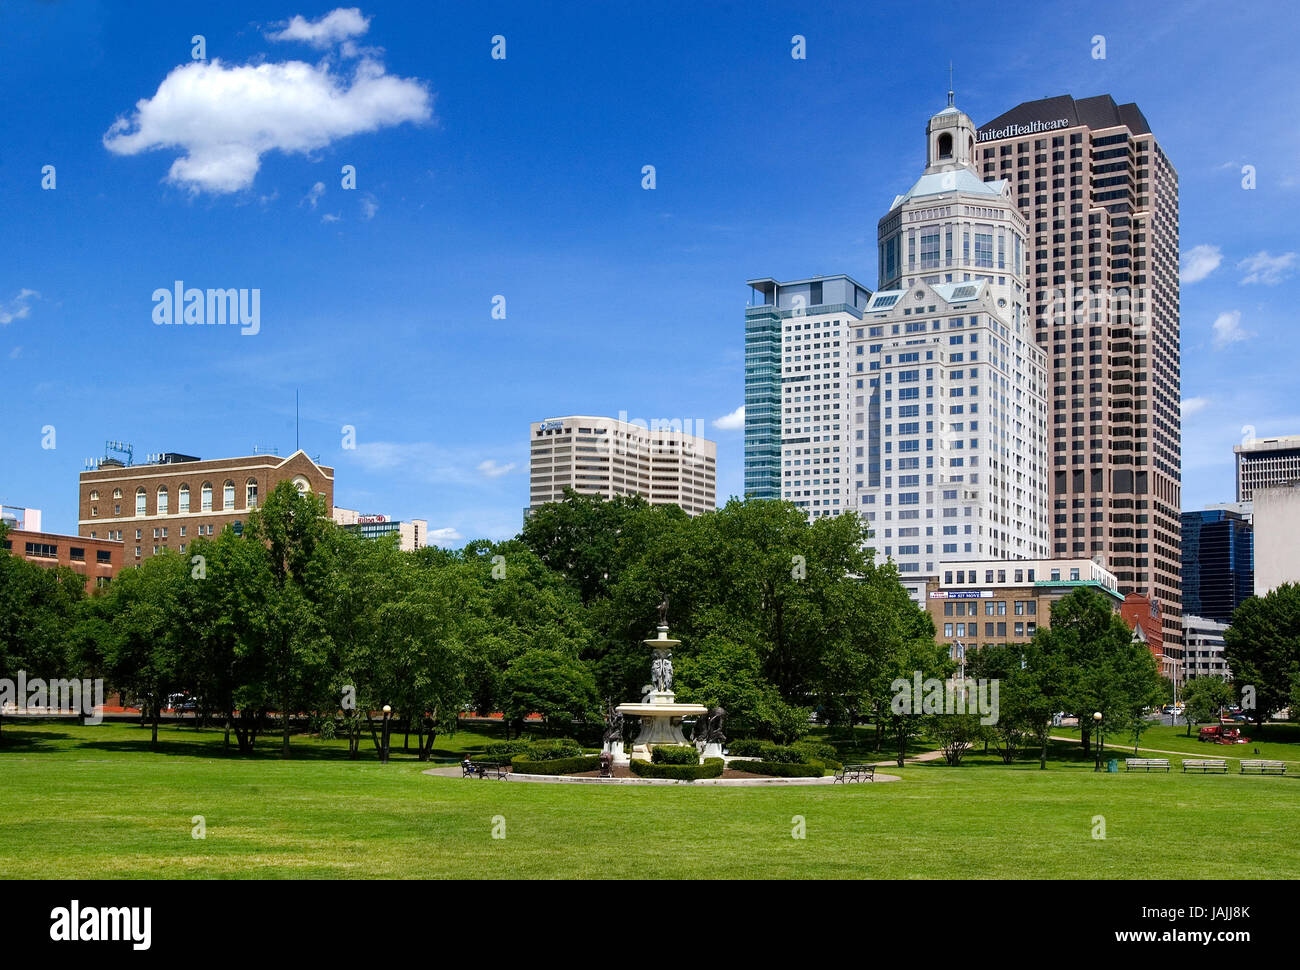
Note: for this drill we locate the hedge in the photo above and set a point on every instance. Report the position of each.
(816, 750)
(675, 754)
(555, 766)
(504, 750)
(549, 749)
(751, 748)
(779, 769)
(711, 768)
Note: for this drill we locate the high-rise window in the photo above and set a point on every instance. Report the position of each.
(183, 499)
(930, 248)
(140, 501)
(984, 249)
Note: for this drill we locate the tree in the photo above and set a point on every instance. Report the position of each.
(1203, 698)
(550, 683)
(1262, 647)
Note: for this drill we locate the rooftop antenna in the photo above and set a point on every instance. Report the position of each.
(295, 420)
(950, 84)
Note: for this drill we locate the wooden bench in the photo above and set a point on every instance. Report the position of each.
(1260, 765)
(856, 773)
(482, 768)
(1205, 764)
(1146, 763)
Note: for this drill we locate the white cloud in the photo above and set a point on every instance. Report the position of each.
(223, 118)
(368, 206)
(335, 26)
(1227, 329)
(492, 470)
(1266, 269)
(444, 536)
(1192, 405)
(19, 307)
(1198, 263)
(731, 422)
(15, 353)
(314, 195)
(330, 217)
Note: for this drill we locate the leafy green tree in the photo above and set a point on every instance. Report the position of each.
(550, 683)
(1262, 647)
(38, 609)
(145, 645)
(1203, 698)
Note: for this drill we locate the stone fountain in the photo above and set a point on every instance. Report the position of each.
(661, 717)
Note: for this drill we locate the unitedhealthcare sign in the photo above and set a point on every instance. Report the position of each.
(1013, 130)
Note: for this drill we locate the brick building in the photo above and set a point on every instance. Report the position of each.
(97, 560)
(167, 503)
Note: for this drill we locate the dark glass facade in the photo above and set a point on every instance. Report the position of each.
(1218, 563)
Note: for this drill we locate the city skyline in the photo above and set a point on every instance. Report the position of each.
(377, 302)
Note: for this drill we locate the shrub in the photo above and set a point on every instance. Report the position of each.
(780, 769)
(711, 768)
(505, 750)
(555, 766)
(674, 754)
(768, 751)
(327, 729)
(552, 748)
(815, 750)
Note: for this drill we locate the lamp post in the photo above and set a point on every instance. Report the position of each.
(383, 747)
(1096, 730)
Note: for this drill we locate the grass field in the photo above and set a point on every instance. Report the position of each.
(1280, 742)
(84, 802)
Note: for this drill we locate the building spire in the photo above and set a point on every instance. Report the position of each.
(950, 84)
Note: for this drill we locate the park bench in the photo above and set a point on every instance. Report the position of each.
(856, 773)
(1260, 765)
(1205, 764)
(1146, 763)
(482, 768)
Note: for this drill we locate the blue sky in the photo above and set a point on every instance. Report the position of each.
(522, 177)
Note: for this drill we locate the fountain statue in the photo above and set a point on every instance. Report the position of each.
(660, 715)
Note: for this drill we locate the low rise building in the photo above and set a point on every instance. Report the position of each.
(96, 560)
(1203, 649)
(167, 503)
(411, 535)
(980, 603)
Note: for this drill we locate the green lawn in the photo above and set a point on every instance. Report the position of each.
(94, 801)
(1279, 741)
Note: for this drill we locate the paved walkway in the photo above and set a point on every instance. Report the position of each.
(454, 771)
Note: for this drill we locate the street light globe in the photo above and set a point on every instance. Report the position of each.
(389, 710)
(1096, 716)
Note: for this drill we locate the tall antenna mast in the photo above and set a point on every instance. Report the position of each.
(950, 84)
(295, 419)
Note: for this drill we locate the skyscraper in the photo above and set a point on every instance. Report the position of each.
(1218, 562)
(949, 413)
(1100, 200)
(801, 435)
(1266, 463)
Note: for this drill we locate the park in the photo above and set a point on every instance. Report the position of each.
(524, 709)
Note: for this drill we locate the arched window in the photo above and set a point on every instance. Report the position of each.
(228, 495)
(945, 145)
(183, 501)
(301, 484)
(250, 494)
(140, 500)
(162, 499)
(117, 493)
(94, 496)
(205, 497)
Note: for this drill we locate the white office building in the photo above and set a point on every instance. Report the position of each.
(947, 396)
(664, 461)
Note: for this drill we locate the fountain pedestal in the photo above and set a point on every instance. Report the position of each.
(660, 714)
